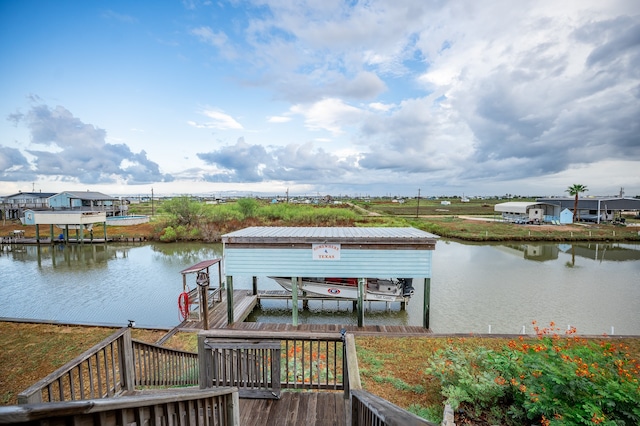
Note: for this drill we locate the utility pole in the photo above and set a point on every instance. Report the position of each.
(418, 208)
(152, 202)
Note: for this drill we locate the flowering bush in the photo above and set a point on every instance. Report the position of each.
(303, 364)
(551, 380)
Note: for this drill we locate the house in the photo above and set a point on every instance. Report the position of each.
(88, 201)
(14, 206)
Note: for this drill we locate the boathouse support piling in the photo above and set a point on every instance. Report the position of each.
(427, 301)
(294, 300)
(362, 282)
(230, 318)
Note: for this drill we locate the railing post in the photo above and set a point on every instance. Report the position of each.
(34, 398)
(127, 374)
(233, 409)
(352, 377)
(205, 379)
(345, 365)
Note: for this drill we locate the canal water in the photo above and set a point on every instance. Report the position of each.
(475, 288)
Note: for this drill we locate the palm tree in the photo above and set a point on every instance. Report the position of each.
(575, 190)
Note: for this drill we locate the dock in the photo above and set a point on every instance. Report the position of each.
(244, 302)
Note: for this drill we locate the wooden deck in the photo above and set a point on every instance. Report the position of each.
(305, 329)
(296, 408)
(243, 304)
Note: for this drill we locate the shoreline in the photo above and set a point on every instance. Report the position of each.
(430, 335)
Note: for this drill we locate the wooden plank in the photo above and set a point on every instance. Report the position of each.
(278, 414)
(312, 409)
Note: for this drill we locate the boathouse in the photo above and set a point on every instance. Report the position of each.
(79, 220)
(354, 253)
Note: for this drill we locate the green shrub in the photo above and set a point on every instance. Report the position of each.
(553, 380)
(247, 207)
(169, 235)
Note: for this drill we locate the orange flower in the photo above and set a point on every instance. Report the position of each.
(500, 380)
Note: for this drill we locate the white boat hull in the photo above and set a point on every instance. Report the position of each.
(375, 289)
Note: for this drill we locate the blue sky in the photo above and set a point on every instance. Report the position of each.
(320, 97)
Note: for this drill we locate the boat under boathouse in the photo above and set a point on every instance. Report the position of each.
(340, 252)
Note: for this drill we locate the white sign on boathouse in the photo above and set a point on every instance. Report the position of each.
(325, 251)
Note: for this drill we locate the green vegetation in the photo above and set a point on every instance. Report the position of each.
(187, 219)
(549, 381)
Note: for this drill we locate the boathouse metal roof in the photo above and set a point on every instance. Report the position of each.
(352, 235)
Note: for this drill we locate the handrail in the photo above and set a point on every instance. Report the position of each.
(367, 408)
(302, 361)
(370, 409)
(156, 365)
(98, 372)
(218, 406)
(113, 366)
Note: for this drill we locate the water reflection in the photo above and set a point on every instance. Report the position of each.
(474, 287)
(595, 251)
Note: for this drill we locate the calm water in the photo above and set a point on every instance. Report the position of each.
(474, 288)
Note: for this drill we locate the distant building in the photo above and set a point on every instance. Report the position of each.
(525, 212)
(593, 209)
(88, 201)
(14, 205)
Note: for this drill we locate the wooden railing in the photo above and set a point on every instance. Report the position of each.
(367, 408)
(159, 366)
(371, 410)
(218, 406)
(117, 364)
(98, 373)
(260, 364)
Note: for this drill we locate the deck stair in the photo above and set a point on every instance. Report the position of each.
(238, 377)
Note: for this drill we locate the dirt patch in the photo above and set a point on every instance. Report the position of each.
(29, 352)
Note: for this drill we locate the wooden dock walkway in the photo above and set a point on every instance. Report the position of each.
(243, 304)
(306, 329)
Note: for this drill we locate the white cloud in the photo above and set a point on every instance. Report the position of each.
(278, 119)
(219, 120)
(207, 35)
(328, 114)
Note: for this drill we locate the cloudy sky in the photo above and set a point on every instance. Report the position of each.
(376, 97)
